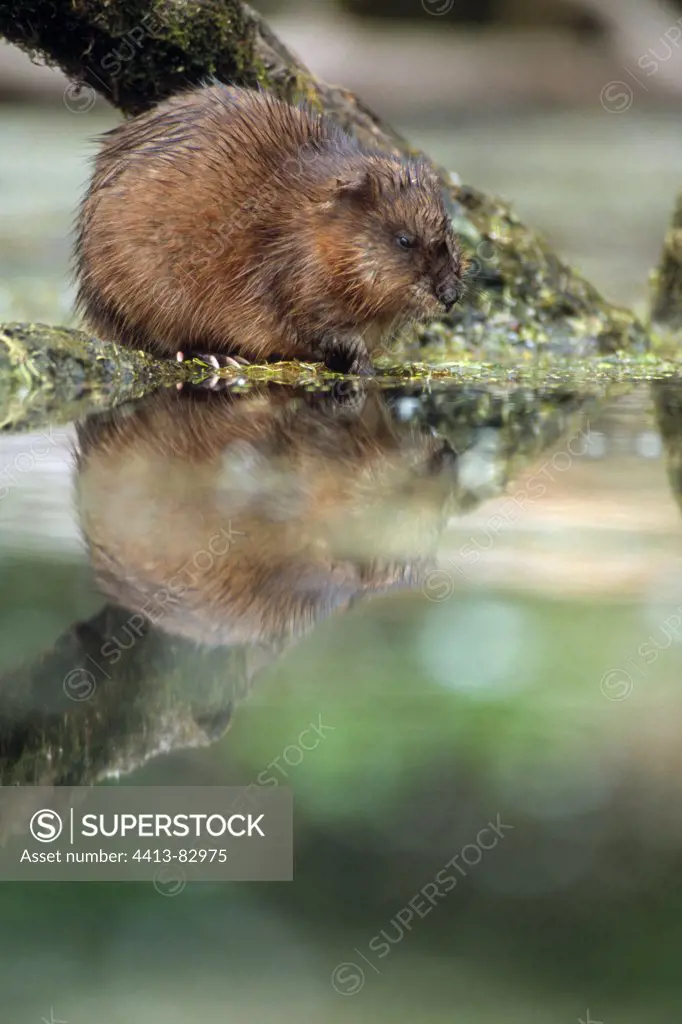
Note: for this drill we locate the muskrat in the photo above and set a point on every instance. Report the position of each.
(226, 221)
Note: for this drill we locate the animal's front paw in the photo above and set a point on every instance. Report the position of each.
(217, 360)
(346, 354)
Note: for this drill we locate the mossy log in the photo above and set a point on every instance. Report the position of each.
(666, 311)
(52, 374)
(523, 300)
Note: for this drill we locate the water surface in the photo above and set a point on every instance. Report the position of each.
(473, 593)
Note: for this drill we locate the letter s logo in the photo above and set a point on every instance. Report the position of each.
(46, 826)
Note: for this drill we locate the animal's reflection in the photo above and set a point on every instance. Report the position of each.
(245, 519)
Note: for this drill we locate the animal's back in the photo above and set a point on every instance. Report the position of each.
(214, 129)
(187, 186)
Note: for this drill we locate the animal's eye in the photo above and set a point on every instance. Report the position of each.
(405, 242)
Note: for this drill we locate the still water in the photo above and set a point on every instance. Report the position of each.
(471, 600)
(471, 597)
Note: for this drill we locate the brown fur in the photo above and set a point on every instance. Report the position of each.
(323, 506)
(226, 221)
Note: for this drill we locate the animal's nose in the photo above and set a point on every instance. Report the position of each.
(448, 295)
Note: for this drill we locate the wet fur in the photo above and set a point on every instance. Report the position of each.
(226, 221)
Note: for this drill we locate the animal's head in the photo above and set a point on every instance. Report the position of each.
(395, 252)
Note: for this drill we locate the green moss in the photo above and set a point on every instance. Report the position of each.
(134, 52)
(50, 373)
(539, 372)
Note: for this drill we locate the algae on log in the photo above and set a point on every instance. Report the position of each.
(523, 299)
(52, 374)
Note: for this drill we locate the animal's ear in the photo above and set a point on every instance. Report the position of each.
(362, 187)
